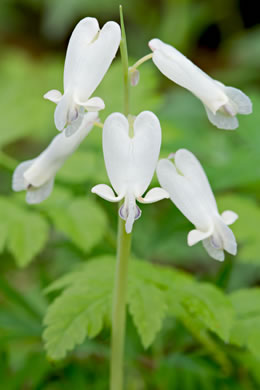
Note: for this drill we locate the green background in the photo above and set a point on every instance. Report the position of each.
(43, 242)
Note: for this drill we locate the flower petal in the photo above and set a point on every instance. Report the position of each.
(227, 236)
(184, 195)
(229, 217)
(83, 34)
(37, 195)
(222, 120)
(189, 166)
(93, 104)
(195, 236)
(53, 95)
(215, 253)
(182, 71)
(145, 151)
(242, 101)
(46, 165)
(154, 195)
(62, 112)
(19, 183)
(117, 149)
(130, 212)
(106, 192)
(95, 59)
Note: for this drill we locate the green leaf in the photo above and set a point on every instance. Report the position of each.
(205, 303)
(81, 309)
(148, 308)
(27, 232)
(153, 293)
(82, 220)
(246, 330)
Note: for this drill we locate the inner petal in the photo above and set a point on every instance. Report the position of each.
(130, 212)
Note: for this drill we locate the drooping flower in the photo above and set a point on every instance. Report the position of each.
(189, 189)
(222, 103)
(131, 154)
(37, 176)
(89, 55)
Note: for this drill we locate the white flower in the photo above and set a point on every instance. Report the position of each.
(89, 55)
(131, 154)
(189, 189)
(37, 176)
(222, 103)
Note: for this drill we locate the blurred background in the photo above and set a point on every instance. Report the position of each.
(41, 243)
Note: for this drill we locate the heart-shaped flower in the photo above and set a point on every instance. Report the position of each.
(131, 154)
(37, 176)
(222, 103)
(89, 55)
(189, 189)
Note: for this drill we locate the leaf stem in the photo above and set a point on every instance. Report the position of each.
(123, 253)
(140, 62)
(99, 124)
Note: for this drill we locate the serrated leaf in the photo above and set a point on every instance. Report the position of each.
(82, 220)
(81, 309)
(246, 330)
(27, 232)
(209, 305)
(153, 293)
(147, 307)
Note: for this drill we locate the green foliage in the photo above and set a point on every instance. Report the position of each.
(81, 309)
(24, 233)
(246, 330)
(72, 222)
(85, 303)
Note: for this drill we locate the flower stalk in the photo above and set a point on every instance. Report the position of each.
(123, 253)
(140, 62)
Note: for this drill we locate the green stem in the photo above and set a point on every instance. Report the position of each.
(123, 253)
(124, 58)
(119, 307)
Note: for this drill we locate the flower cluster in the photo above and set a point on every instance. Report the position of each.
(131, 146)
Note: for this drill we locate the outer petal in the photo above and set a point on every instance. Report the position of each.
(215, 253)
(62, 111)
(117, 148)
(145, 151)
(96, 57)
(38, 195)
(240, 99)
(229, 217)
(83, 34)
(184, 195)
(222, 120)
(189, 166)
(154, 195)
(19, 183)
(53, 95)
(195, 236)
(182, 71)
(51, 159)
(106, 192)
(94, 104)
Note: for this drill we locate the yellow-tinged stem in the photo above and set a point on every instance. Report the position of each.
(140, 62)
